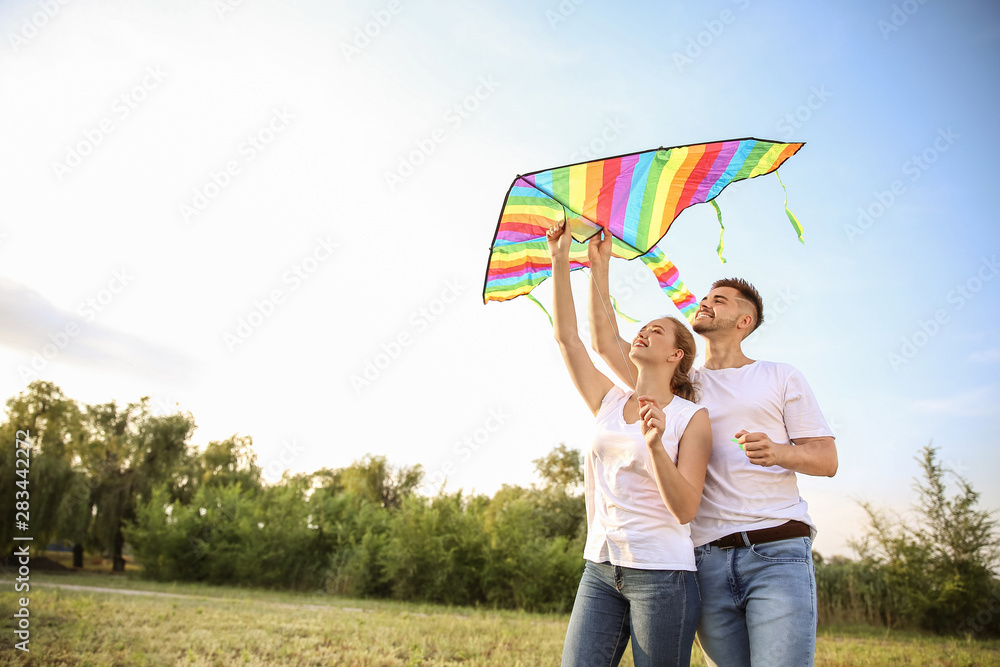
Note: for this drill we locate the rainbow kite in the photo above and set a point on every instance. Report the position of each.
(636, 197)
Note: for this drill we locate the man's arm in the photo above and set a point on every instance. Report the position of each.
(809, 456)
(604, 336)
(813, 456)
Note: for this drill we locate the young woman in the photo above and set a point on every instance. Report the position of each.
(644, 475)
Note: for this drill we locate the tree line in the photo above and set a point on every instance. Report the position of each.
(105, 475)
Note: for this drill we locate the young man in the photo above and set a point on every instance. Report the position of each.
(752, 535)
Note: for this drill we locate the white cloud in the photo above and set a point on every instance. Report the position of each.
(972, 403)
(991, 356)
(46, 334)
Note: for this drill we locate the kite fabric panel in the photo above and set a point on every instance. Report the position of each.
(636, 197)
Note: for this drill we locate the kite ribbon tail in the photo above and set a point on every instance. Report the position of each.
(670, 282)
(788, 212)
(722, 230)
(614, 304)
(539, 304)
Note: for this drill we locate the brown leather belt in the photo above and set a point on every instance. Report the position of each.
(782, 532)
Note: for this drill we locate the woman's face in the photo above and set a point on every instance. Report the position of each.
(655, 341)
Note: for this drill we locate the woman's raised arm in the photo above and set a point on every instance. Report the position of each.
(590, 382)
(604, 336)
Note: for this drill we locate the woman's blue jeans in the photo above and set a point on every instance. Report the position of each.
(759, 604)
(657, 609)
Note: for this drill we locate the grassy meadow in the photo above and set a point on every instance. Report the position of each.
(203, 625)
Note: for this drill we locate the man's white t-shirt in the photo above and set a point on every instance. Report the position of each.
(628, 524)
(764, 397)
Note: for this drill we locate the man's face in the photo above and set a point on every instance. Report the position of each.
(720, 310)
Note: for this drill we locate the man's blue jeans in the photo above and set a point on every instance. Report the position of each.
(758, 603)
(656, 609)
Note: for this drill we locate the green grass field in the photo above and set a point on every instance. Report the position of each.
(202, 625)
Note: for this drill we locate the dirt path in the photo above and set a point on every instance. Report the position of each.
(131, 591)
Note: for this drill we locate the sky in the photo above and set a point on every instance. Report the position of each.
(277, 216)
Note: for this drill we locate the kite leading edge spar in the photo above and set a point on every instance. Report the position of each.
(636, 197)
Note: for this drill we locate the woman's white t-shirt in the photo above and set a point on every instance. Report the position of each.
(628, 523)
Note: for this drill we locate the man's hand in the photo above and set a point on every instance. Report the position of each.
(809, 456)
(760, 449)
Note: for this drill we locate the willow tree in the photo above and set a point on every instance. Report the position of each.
(126, 452)
(52, 484)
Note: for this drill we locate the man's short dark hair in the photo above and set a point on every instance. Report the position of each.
(749, 293)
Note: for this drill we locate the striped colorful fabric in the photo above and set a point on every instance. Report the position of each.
(636, 197)
(670, 282)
